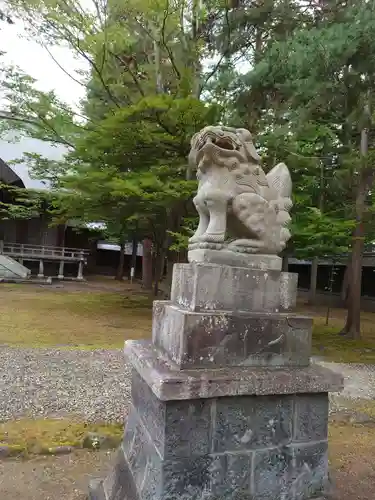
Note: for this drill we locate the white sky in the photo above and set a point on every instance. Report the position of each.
(36, 62)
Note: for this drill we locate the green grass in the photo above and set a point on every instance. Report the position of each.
(44, 435)
(42, 317)
(328, 344)
(86, 317)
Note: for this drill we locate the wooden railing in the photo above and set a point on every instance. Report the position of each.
(45, 252)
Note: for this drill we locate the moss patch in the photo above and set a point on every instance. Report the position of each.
(44, 436)
(42, 317)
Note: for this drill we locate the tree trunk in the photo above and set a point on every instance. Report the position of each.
(158, 75)
(120, 267)
(159, 269)
(352, 326)
(345, 284)
(315, 261)
(313, 280)
(147, 264)
(353, 320)
(133, 263)
(172, 258)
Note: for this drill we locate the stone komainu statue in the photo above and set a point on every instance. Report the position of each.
(240, 207)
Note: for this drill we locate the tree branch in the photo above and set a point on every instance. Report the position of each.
(34, 123)
(61, 67)
(75, 43)
(223, 56)
(167, 48)
(134, 77)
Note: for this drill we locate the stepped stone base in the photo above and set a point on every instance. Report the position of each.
(208, 338)
(203, 287)
(253, 447)
(225, 402)
(168, 382)
(230, 257)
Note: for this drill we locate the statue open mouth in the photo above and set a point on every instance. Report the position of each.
(225, 143)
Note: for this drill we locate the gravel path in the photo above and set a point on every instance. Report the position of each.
(359, 379)
(90, 385)
(95, 385)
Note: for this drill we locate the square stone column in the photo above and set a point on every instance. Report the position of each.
(225, 403)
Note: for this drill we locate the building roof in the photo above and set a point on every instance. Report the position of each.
(7, 175)
(13, 148)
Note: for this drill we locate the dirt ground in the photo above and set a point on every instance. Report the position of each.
(352, 459)
(66, 477)
(356, 483)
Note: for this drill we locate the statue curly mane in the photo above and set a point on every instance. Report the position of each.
(231, 149)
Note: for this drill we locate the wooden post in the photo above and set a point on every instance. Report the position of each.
(41, 269)
(147, 264)
(133, 264)
(80, 267)
(61, 270)
(21, 259)
(313, 280)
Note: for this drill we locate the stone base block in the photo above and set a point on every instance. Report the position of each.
(240, 448)
(216, 339)
(228, 257)
(200, 287)
(168, 382)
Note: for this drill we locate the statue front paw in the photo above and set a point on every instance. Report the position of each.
(211, 238)
(194, 239)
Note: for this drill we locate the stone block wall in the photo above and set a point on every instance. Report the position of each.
(245, 447)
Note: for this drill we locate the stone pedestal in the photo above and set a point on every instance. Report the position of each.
(225, 402)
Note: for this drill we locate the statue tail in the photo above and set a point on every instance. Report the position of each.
(279, 180)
